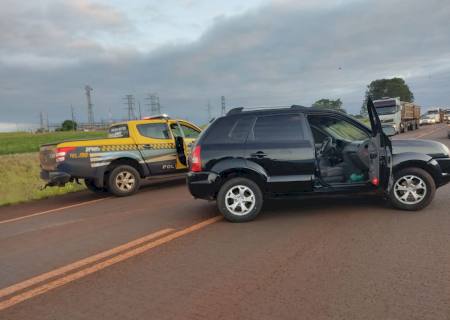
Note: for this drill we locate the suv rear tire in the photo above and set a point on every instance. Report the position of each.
(240, 200)
(413, 189)
(123, 180)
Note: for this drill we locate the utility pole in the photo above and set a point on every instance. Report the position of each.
(88, 90)
(41, 118)
(47, 127)
(72, 113)
(130, 104)
(222, 98)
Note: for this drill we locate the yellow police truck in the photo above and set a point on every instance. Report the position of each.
(133, 150)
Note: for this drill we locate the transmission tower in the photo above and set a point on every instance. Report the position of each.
(88, 90)
(222, 98)
(41, 118)
(153, 105)
(130, 106)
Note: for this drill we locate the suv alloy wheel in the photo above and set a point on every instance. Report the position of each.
(413, 189)
(240, 200)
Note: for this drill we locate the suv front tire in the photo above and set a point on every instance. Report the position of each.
(240, 200)
(413, 189)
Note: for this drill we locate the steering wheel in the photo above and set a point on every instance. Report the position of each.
(327, 145)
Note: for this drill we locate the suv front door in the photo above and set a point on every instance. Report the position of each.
(380, 151)
(277, 143)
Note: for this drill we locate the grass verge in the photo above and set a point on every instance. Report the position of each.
(20, 182)
(23, 142)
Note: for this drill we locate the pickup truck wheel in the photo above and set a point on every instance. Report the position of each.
(123, 181)
(413, 189)
(240, 200)
(90, 184)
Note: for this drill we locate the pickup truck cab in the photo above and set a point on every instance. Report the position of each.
(247, 156)
(134, 150)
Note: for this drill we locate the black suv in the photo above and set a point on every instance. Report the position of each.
(249, 155)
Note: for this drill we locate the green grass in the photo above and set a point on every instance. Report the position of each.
(23, 142)
(19, 180)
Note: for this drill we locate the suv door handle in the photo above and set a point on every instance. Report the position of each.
(147, 146)
(259, 155)
(373, 155)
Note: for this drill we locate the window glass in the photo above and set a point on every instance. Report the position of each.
(229, 130)
(175, 130)
(118, 131)
(278, 128)
(189, 132)
(339, 129)
(154, 130)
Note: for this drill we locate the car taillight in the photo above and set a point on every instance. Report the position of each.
(61, 153)
(196, 160)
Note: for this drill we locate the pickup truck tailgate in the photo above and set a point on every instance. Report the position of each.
(47, 157)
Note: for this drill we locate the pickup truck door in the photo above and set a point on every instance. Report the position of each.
(185, 135)
(380, 151)
(157, 146)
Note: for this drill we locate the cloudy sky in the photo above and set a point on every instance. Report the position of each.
(255, 52)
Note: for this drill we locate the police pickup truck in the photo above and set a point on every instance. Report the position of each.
(133, 150)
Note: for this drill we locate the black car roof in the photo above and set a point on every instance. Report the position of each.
(278, 110)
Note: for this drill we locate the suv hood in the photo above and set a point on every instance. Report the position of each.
(432, 148)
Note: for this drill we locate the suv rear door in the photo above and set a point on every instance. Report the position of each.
(380, 151)
(277, 143)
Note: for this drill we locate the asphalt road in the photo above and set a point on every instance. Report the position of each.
(163, 255)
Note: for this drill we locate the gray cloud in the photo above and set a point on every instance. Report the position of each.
(279, 54)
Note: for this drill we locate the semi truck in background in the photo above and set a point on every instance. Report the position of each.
(437, 113)
(397, 116)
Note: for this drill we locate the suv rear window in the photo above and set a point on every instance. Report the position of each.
(229, 130)
(284, 127)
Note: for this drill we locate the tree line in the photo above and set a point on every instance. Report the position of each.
(377, 89)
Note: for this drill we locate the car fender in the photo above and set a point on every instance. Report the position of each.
(419, 160)
(120, 157)
(227, 168)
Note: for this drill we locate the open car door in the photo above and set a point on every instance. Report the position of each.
(380, 151)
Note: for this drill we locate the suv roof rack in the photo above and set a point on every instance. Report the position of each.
(241, 109)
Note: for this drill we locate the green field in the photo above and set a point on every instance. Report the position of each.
(23, 142)
(19, 180)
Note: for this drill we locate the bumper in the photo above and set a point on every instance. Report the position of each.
(203, 185)
(443, 165)
(55, 178)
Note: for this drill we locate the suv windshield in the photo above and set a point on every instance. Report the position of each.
(339, 129)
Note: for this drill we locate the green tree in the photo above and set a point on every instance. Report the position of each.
(69, 125)
(392, 88)
(329, 104)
